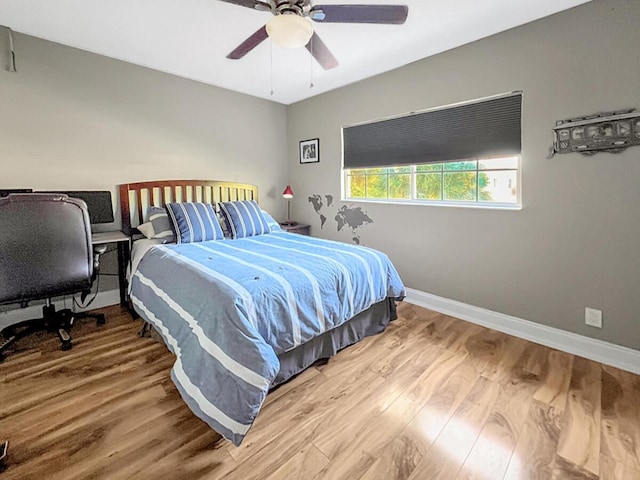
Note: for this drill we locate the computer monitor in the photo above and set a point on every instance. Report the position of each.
(98, 204)
(8, 191)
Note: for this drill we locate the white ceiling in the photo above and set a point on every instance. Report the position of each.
(191, 38)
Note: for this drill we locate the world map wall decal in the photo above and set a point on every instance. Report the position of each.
(347, 216)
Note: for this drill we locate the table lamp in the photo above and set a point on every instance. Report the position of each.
(288, 194)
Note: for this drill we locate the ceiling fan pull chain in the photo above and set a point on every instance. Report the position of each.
(311, 85)
(271, 64)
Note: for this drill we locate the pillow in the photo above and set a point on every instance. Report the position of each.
(244, 218)
(194, 222)
(273, 225)
(147, 230)
(161, 224)
(223, 225)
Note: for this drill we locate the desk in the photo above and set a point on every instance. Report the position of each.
(124, 251)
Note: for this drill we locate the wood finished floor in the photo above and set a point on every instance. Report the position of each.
(431, 398)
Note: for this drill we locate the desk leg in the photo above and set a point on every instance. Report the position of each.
(123, 260)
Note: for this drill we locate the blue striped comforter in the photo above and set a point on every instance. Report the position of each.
(227, 308)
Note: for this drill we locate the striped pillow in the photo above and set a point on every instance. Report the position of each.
(244, 218)
(273, 225)
(194, 222)
(161, 224)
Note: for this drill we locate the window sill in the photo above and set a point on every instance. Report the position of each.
(474, 205)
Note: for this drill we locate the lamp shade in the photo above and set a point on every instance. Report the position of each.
(288, 193)
(289, 30)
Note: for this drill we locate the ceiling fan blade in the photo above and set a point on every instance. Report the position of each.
(321, 53)
(243, 3)
(249, 44)
(387, 14)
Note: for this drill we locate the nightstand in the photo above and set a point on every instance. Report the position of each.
(300, 228)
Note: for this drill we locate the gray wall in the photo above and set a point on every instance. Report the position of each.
(575, 243)
(73, 120)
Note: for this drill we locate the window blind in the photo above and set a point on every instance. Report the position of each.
(483, 129)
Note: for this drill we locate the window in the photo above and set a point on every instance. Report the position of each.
(482, 182)
(466, 154)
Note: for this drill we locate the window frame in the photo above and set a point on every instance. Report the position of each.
(517, 205)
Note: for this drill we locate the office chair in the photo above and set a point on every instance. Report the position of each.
(45, 252)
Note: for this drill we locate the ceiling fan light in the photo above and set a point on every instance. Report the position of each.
(289, 30)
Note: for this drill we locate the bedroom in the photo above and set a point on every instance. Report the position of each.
(565, 250)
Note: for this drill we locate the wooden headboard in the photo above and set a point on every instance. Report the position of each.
(135, 198)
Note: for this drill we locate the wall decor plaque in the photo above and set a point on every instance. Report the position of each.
(603, 132)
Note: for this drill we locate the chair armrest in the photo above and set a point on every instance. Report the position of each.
(97, 251)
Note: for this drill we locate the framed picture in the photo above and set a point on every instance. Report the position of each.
(310, 151)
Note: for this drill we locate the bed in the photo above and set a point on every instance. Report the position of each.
(244, 315)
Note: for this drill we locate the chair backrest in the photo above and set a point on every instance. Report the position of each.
(45, 247)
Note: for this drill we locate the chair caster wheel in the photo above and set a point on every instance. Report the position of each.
(65, 339)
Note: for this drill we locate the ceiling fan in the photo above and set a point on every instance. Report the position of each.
(290, 26)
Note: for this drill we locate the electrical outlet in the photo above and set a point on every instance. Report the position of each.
(593, 317)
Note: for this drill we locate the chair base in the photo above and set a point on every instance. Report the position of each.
(52, 320)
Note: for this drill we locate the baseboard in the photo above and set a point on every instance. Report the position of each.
(608, 353)
(103, 299)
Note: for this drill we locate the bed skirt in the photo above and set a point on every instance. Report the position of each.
(372, 321)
